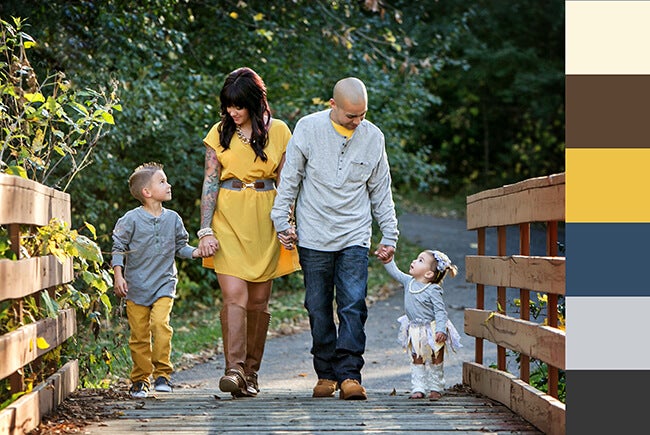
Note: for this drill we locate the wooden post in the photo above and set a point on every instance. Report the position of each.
(551, 306)
(17, 379)
(524, 297)
(501, 294)
(480, 297)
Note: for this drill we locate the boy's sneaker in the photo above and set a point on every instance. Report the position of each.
(162, 385)
(139, 390)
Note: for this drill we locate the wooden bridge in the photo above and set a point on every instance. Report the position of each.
(491, 400)
(284, 412)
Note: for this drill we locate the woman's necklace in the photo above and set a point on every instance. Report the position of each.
(414, 292)
(242, 136)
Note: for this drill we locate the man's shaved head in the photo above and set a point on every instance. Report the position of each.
(349, 102)
(350, 90)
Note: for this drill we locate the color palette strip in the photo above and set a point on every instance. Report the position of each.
(607, 212)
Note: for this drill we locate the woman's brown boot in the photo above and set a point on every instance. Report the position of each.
(256, 329)
(233, 331)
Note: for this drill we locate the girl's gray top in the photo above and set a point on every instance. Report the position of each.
(145, 246)
(420, 306)
(339, 185)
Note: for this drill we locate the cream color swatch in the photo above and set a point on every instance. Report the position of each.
(607, 37)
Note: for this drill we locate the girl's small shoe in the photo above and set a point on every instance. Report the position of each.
(417, 395)
(434, 395)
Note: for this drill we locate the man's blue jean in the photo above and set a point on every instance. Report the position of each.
(338, 355)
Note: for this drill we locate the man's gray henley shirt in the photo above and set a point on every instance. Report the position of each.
(339, 184)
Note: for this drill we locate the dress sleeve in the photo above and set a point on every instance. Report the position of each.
(212, 138)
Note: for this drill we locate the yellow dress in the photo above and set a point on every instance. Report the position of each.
(249, 248)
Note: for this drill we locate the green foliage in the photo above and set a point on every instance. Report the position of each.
(48, 131)
(468, 94)
(501, 116)
(169, 60)
(539, 379)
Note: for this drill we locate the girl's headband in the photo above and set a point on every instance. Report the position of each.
(441, 258)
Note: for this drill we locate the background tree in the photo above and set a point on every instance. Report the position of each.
(469, 94)
(501, 112)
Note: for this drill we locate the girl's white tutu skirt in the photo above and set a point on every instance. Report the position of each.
(419, 338)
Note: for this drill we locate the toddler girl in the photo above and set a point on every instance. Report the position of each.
(425, 327)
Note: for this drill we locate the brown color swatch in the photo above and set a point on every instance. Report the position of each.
(607, 111)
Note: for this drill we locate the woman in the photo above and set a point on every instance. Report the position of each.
(243, 161)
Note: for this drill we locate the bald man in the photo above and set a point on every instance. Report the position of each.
(337, 173)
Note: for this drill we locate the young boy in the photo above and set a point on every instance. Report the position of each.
(145, 241)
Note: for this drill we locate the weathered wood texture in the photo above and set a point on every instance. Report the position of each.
(545, 274)
(23, 277)
(25, 203)
(30, 203)
(25, 414)
(278, 412)
(535, 200)
(530, 201)
(542, 410)
(19, 348)
(529, 338)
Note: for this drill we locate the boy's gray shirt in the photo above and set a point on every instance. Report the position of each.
(424, 306)
(145, 246)
(339, 185)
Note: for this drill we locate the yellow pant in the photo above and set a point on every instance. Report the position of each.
(151, 339)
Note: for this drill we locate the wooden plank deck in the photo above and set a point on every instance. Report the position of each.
(206, 411)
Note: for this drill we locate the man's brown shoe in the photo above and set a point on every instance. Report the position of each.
(324, 388)
(351, 389)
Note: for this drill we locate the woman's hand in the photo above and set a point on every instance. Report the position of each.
(208, 246)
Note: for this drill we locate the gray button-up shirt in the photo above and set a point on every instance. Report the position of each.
(339, 185)
(145, 246)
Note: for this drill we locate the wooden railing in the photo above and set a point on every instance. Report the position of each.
(537, 200)
(24, 205)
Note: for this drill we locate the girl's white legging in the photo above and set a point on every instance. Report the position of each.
(418, 378)
(435, 378)
(425, 378)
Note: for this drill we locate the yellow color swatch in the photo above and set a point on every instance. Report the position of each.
(607, 185)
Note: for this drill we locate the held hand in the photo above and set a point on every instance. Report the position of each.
(441, 337)
(208, 245)
(288, 238)
(385, 253)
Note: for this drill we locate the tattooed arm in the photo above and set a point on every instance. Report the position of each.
(208, 244)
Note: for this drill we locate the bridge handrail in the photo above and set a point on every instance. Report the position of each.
(25, 205)
(536, 200)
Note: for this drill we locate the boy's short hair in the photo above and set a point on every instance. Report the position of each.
(140, 178)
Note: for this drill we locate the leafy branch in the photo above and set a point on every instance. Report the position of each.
(48, 131)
